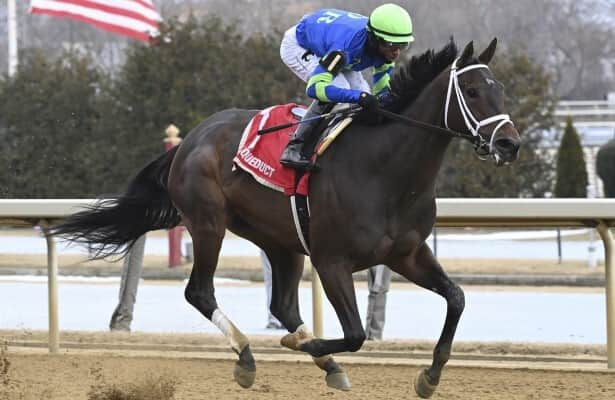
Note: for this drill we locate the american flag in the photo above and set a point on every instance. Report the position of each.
(137, 19)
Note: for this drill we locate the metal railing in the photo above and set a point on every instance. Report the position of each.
(586, 110)
(597, 213)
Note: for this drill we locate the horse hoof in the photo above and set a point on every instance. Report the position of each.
(423, 388)
(244, 377)
(338, 380)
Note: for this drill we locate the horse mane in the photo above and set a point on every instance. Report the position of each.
(416, 73)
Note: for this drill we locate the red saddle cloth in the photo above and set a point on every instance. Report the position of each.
(259, 155)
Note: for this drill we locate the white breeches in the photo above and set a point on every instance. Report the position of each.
(292, 55)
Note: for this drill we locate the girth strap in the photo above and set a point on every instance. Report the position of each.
(300, 208)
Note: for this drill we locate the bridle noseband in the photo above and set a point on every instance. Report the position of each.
(481, 146)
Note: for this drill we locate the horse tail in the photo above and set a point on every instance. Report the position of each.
(111, 226)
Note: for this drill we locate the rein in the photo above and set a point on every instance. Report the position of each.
(473, 125)
(424, 125)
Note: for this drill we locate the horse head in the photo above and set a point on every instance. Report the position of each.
(475, 106)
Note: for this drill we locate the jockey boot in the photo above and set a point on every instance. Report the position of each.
(293, 156)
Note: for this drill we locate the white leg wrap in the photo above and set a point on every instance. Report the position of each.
(302, 335)
(303, 332)
(293, 340)
(237, 339)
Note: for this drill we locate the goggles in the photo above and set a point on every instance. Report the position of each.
(393, 46)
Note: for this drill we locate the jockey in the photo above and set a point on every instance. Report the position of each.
(328, 49)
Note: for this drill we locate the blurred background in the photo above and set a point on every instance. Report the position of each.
(86, 108)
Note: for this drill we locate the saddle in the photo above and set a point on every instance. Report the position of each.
(325, 132)
(259, 156)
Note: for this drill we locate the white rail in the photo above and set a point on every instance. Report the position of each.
(598, 213)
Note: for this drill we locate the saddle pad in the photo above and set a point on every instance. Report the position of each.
(259, 155)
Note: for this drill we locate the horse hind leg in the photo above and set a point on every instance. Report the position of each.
(287, 269)
(200, 293)
(425, 271)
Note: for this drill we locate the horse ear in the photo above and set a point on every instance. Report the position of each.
(467, 53)
(488, 53)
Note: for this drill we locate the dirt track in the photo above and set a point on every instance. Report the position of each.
(69, 377)
(202, 368)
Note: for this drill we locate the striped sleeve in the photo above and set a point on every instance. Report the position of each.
(320, 87)
(382, 78)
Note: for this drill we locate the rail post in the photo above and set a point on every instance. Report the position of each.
(317, 303)
(175, 235)
(52, 289)
(607, 239)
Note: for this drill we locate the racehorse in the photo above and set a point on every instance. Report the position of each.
(373, 202)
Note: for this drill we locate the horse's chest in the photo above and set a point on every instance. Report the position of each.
(405, 243)
(408, 231)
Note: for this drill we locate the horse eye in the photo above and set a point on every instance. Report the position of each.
(472, 93)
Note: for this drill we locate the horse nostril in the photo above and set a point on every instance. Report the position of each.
(507, 147)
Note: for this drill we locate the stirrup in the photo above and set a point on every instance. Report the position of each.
(303, 165)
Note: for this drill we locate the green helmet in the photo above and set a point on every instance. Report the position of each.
(391, 23)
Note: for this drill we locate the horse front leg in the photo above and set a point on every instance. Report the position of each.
(287, 269)
(336, 377)
(339, 288)
(424, 270)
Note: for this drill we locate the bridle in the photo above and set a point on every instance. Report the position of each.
(481, 146)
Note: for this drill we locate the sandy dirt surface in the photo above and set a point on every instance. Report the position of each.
(70, 377)
(201, 367)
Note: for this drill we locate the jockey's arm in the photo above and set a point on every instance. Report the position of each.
(320, 87)
(381, 81)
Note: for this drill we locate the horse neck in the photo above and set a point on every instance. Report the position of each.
(418, 153)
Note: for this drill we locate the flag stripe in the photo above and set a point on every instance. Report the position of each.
(140, 35)
(146, 3)
(127, 17)
(113, 7)
(101, 16)
(141, 6)
(127, 8)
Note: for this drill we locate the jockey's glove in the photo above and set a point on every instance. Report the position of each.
(369, 102)
(386, 100)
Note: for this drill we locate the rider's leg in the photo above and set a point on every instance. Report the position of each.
(292, 155)
(356, 81)
(297, 58)
(303, 63)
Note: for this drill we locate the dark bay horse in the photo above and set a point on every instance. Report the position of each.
(372, 203)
